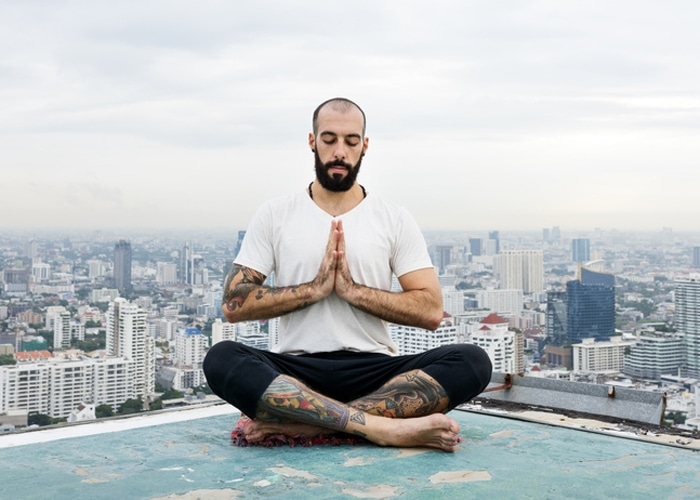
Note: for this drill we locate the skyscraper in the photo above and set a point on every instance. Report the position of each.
(442, 257)
(122, 265)
(493, 236)
(580, 250)
(127, 336)
(687, 321)
(556, 317)
(590, 306)
(696, 256)
(520, 270)
(475, 246)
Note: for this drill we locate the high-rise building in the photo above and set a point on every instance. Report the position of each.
(442, 257)
(654, 354)
(475, 247)
(508, 302)
(504, 346)
(696, 256)
(590, 306)
(602, 356)
(555, 323)
(521, 270)
(61, 330)
(166, 273)
(494, 237)
(687, 321)
(190, 347)
(127, 336)
(122, 265)
(580, 250)
(239, 242)
(186, 263)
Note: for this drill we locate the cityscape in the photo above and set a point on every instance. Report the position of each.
(97, 324)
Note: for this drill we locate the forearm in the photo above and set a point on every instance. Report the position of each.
(248, 302)
(247, 299)
(419, 308)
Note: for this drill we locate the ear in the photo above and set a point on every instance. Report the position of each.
(312, 142)
(365, 146)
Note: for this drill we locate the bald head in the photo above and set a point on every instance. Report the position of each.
(341, 105)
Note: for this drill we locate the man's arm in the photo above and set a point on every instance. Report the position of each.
(247, 299)
(419, 304)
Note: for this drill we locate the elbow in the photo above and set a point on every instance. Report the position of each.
(231, 315)
(433, 322)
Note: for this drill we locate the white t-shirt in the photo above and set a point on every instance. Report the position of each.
(288, 236)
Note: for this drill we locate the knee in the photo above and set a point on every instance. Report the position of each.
(219, 355)
(476, 363)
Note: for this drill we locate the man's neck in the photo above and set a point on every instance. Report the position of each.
(336, 203)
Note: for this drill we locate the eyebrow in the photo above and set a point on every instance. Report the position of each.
(333, 134)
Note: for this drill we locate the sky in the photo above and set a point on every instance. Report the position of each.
(481, 115)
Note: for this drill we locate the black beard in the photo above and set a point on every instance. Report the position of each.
(336, 182)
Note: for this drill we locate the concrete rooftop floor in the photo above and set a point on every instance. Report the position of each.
(188, 454)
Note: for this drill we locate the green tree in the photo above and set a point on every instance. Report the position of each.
(39, 419)
(103, 411)
(171, 394)
(131, 406)
(7, 359)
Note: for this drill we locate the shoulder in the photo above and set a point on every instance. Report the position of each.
(391, 211)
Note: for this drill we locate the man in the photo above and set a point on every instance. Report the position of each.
(334, 248)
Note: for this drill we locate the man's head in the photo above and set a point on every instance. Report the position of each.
(338, 142)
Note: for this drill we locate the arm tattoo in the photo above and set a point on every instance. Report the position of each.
(235, 296)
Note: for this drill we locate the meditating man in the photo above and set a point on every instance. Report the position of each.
(333, 248)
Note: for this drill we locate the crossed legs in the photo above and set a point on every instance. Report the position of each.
(407, 411)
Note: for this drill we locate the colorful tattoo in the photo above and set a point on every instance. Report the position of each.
(288, 400)
(412, 394)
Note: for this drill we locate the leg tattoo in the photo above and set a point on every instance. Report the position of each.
(287, 400)
(411, 394)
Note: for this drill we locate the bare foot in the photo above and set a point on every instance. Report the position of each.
(432, 431)
(256, 430)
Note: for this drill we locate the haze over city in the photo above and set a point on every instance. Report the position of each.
(481, 115)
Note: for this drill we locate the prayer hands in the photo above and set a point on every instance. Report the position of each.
(334, 274)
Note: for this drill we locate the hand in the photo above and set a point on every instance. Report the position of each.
(325, 279)
(344, 284)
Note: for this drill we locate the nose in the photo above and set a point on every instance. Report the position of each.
(339, 153)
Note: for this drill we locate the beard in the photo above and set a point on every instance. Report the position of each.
(336, 182)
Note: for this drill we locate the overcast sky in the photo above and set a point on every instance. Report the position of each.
(510, 115)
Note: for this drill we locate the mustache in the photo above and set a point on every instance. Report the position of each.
(337, 163)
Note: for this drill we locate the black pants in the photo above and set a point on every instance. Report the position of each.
(240, 374)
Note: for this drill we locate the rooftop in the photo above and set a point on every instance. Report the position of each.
(187, 454)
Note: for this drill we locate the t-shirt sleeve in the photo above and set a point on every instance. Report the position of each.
(411, 251)
(257, 248)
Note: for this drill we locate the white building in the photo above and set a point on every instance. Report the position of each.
(61, 330)
(190, 347)
(504, 347)
(654, 354)
(600, 357)
(509, 302)
(453, 301)
(251, 334)
(104, 295)
(166, 273)
(221, 330)
(520, 270)
(56, 386)
(127, 336)
(412, 340)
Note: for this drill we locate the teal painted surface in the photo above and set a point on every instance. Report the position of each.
(499, 458)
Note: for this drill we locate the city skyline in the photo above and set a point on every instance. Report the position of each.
(509, 116)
